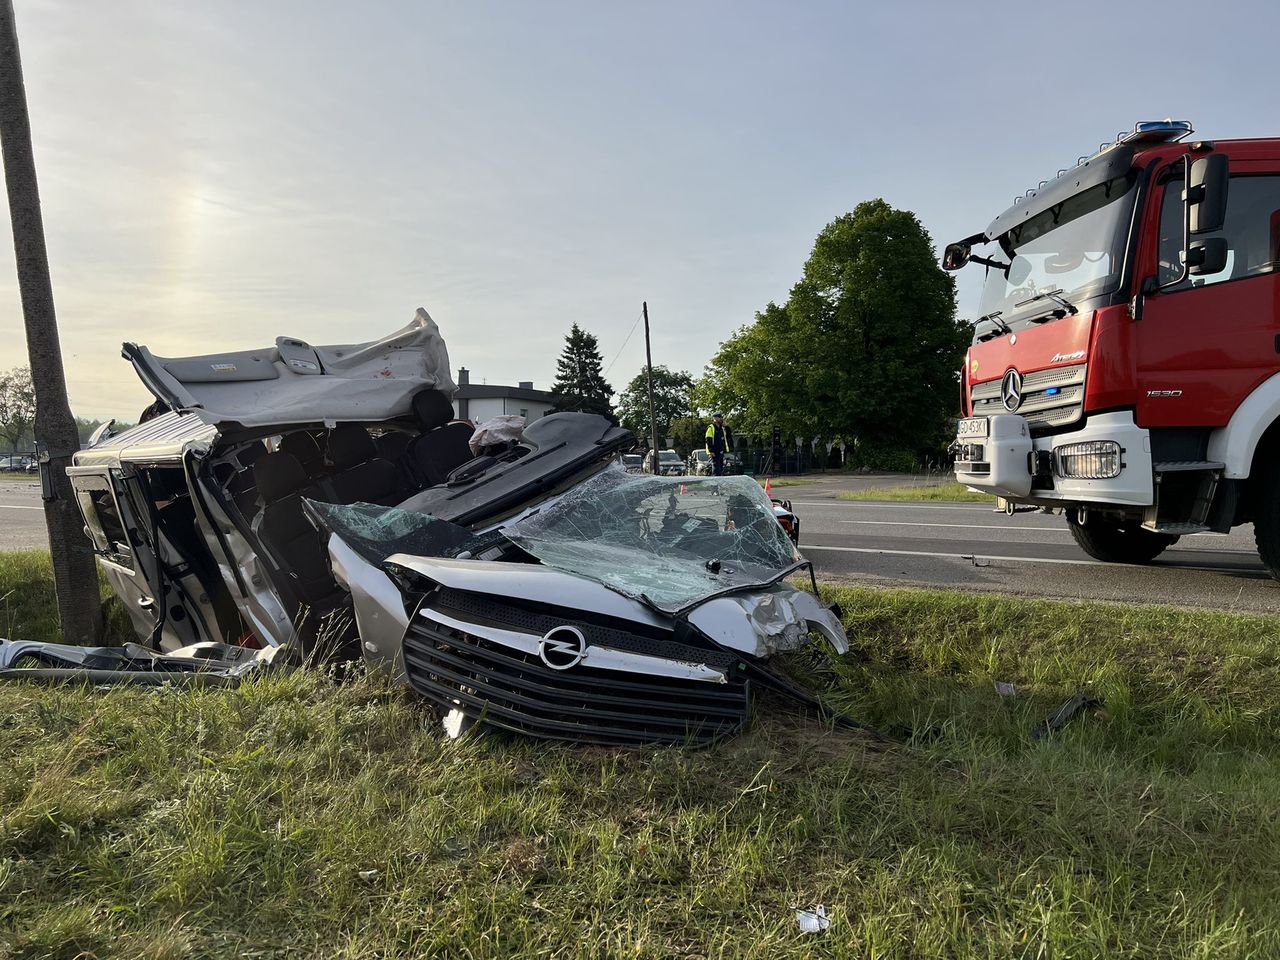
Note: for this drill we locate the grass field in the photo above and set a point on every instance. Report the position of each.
(925, 490)
(295, 817)
(28, 608)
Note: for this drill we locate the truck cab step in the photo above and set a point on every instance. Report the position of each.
(1182, 466)
(1177, 529)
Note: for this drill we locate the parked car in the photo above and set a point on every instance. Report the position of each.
(700, 464)
(633, 463)
(669, 463)
(543, 590)
(17, 463)
(787, 519)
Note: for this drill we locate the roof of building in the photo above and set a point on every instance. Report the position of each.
(493, 391)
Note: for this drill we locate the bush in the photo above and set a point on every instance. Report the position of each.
(887, 459)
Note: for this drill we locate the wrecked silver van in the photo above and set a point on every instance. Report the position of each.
(325, 500)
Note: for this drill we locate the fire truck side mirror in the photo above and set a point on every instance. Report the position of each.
(1207, 257)
(955, 256)
(1206, 193)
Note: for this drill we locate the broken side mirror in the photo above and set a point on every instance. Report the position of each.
(955, 256)
(1206, 193)
(1207, 257)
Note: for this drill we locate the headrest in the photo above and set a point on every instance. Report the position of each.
(277, 475)
(350, 444)
(303, 446)
(431, 409)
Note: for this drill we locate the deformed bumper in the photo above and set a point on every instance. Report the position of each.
(541, 652)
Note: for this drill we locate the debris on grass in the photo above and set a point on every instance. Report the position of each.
(813, 921)
(1071, 708)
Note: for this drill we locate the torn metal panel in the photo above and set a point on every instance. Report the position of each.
(379, 607)
(201, 664)
(764, 622)
(294, 382)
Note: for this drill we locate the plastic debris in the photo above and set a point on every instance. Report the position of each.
(1076, 705)
(369, 875)
(813, 921)
(1006, 689)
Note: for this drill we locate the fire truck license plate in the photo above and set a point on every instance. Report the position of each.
(972, 429)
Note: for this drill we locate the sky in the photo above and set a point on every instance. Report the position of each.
(215, 175)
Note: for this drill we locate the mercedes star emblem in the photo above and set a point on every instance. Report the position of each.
(562, 648)
(1011, 390)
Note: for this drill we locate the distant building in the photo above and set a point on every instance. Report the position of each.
(480, 401)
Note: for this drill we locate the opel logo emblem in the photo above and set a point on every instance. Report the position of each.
(562, 648)
(1011, 390)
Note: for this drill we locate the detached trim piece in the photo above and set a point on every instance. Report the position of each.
(514, 689)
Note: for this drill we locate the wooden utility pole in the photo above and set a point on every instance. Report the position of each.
(648, 365)
(74, 573)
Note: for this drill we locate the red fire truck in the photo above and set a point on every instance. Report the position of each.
(1126, 365)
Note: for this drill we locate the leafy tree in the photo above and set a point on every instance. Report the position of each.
(580, 383)
(688, 434)
(672, 391)
(866, 348)
(17, 405)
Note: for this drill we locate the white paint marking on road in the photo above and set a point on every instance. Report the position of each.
(12, 506)
(962, 526)
(970, 508)
(991, 556)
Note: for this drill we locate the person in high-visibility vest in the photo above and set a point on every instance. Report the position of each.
(719, 442)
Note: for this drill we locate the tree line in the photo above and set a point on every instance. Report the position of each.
(865, 351)
(18, 414)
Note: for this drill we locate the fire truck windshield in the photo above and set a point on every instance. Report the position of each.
(1075, 248)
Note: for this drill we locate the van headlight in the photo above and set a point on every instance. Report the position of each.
(1092, 460)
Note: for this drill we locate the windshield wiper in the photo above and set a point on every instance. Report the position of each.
(994, 319)
(1068, 308)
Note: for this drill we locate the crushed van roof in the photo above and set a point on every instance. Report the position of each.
(164, 438)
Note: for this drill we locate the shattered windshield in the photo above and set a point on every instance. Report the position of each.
(376, 532)
(1076, 247)
(668, 541)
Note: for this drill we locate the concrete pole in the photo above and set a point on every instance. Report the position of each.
(74, 574)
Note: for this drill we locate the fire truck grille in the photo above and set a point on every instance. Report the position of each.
(1050, 398)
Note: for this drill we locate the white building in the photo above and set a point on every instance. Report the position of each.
(480, 401)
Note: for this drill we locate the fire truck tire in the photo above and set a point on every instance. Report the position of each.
(1266, 520)
(1117, 541)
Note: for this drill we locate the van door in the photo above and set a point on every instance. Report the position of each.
(119, 528)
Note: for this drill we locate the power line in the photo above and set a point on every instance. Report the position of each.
(624, 344)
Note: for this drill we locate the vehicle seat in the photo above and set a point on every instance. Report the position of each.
(392, 444)
(306, 449)
(362, 476)
(443, 445)
(295, 547)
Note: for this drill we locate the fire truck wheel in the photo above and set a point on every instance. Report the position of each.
(1117, 541)
(1266, 520)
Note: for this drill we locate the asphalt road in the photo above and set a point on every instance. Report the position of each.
(970, 546)
(21, 516)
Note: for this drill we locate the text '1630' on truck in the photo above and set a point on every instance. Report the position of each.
(1126, 366)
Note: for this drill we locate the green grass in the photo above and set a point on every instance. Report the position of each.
(785, 481)
(28, 608)
(949, 491)
(20, 477)
(238, 823)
